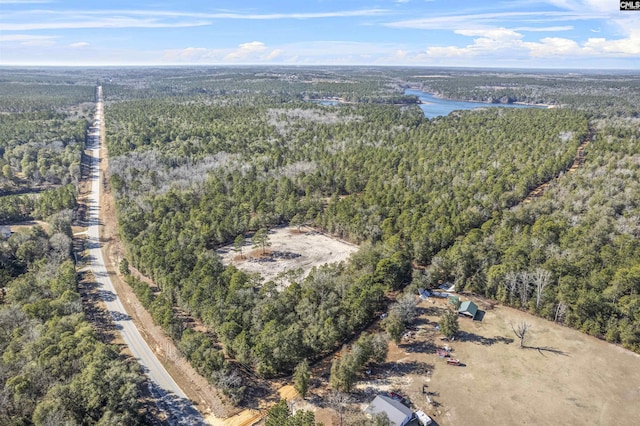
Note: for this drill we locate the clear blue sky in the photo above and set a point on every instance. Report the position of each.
(472, 33)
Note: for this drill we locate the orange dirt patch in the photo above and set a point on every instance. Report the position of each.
(251, 416)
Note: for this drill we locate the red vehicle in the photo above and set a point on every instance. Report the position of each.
(453, 361)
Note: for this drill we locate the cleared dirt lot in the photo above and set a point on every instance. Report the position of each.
(573, 379)
(307, 247)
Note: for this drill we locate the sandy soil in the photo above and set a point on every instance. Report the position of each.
(561, 377)
(313, 248)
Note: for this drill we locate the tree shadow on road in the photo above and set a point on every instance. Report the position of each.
(180, 411)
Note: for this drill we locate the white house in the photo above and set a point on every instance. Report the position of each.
(398, 413)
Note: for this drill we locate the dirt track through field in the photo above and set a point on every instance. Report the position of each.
(577, 163)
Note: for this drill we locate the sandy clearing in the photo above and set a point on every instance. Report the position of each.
(314, 248)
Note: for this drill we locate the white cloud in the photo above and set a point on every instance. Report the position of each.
(246, 50)
(496, 34)
(583, 5)
(553, 46)
(507, 43)
(28, 39)
(73, 19)
(314, 53)
(493, 19)
(79, 44)
(263, 16)
(104, 22)
(251, 52)
(545, 29)
(189, 54)
(274, 54)
(627, 46)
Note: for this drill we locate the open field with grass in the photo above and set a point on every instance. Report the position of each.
(561, 376)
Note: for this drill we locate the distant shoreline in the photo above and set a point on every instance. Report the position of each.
(440, 96)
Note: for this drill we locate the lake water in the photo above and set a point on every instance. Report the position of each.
(435, 107)
(325, 102)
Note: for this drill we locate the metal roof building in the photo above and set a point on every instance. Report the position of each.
(468, 308)
(398, 414)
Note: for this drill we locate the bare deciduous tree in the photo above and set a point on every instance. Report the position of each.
(339, 401)
(541, 279)
(525, 280)
(511, 283)
(406, 306)
(560, 311)
(521, 331)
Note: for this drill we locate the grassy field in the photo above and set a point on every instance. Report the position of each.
(561, 377)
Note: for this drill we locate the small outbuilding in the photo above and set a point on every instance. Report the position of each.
(424, 294)
(5, 232)
(398, 413)
(468, 309)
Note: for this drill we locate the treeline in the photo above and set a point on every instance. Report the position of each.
(193, 173)
(40, 147)
(572, 256)
(16, 208)
(53, 368)
(286, 84)
(609, 95)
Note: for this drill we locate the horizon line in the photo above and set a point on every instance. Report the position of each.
(263, 65)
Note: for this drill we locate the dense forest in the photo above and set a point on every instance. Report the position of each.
(54, 369)
(573, 255)
(223, 155)
(43, 121)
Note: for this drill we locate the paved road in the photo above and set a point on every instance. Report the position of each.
(170, 397)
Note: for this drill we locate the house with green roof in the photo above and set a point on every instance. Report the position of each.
(468, 309)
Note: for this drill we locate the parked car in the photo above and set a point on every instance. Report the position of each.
(423, 418)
